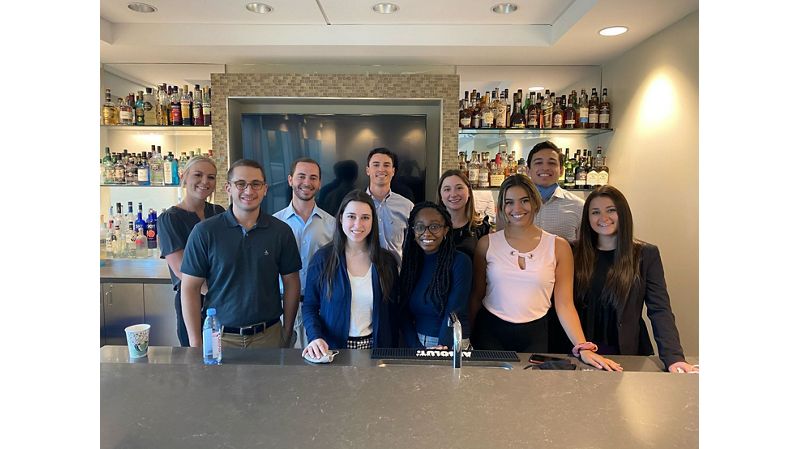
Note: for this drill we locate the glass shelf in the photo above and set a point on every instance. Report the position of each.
(533, 132)
(164, 130)
(135, 185)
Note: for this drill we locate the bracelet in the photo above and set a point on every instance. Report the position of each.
(588, 345)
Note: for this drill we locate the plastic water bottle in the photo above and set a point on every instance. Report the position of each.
(212, 339)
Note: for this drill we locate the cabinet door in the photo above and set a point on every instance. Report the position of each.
(159, 313)
(123, 306)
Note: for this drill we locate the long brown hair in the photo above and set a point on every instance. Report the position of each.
(625, 268)
(470, 210)
(384, 262)
(525, 183)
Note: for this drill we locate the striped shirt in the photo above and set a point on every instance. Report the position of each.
(561, 215)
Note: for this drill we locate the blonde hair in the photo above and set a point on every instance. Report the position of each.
(191, 162)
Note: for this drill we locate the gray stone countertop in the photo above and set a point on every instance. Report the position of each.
(146, 271)
(273, 398)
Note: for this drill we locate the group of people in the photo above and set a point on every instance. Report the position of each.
(383, 272)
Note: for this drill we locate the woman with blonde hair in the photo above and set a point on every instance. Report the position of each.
(176, 223)
(516, 270)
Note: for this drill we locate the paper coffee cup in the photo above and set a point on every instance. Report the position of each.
(138, 340)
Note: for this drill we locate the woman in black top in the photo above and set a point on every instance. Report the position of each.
(614, 275)
(176, 223)
(455, 194)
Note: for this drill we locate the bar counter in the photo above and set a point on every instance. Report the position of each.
(147, 271)
(273, 398)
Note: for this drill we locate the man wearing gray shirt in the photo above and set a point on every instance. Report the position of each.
(561, 212)
(311, 225)
(392, 209)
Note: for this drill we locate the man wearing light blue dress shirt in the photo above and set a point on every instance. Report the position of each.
(311, 225)
(392, 209)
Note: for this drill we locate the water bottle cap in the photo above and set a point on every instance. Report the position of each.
(211, 312)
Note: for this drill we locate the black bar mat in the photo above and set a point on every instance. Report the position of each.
(477, 355)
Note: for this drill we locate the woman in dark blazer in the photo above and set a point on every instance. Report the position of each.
(615, 275)
(351, 294)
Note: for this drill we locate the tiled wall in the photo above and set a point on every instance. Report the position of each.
(224, 85)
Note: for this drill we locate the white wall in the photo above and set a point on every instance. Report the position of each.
(653, 155)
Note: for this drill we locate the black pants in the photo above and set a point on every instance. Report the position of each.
(182, 332)
(492, 333)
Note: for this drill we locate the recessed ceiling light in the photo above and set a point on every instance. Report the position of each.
(536, 88)
(259, 8)
(141, 7)
(613, 31)
(504, 8)
(385, 8)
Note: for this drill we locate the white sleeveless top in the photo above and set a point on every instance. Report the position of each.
(360, 321)
(513, 294)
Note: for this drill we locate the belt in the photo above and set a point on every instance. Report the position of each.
(250, 330)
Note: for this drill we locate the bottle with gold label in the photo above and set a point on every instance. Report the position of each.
(499, 110)
(488, 117)
(496, 174)
(484, 172)
(109, 110)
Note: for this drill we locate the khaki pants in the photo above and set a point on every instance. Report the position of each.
(271, 337)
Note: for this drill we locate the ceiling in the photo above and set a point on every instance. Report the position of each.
(422, 33)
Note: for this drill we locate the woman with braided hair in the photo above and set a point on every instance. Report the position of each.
(435, 279)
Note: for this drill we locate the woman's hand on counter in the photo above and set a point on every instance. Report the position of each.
(683, 367)
(316, 348)
(591, 358)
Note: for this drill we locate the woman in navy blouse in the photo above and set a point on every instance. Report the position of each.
(351, 292)
(435, 279)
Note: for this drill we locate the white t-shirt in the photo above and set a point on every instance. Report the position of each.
(362, 305)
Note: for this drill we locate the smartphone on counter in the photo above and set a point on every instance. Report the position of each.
(539, 358)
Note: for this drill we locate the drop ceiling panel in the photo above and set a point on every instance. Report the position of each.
(450, 12)
(295, 12)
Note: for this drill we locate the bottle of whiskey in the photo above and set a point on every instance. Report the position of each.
(593, 110)
(584, 110)
(461, 163)
(149, 106)
(548, 110)
(185, 105)
(484, 172)
(473, 169)
(580, 175)
(476, 113)
(600, 162)
(569, 114)
(521, 168)
(465, 112)
(561, 179)
(499, 107)
(532, 114)
(196, 106)
(592, 173)
(109, 110)
(125, 112)
(206, 106)
(557, 115)
(604, 111)
(517, 118)
(570, 175)
(496, 174)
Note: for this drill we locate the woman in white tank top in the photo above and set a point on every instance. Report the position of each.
(516, 270)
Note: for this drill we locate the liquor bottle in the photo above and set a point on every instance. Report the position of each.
(569, 114)
(131, 171)
(156, 167)
(593, 110)
(570, 175)
(557, 115)
(604, 111)
(119, 171)
(476, 111)
(533, 114)
(196, 106)
(461, 163)
(149, 107)
(151, 227)
(499, 107)
(561, 179)
(517, 118)
(548, 110)
(143, 171)
(130, 242)
(600, 162)
(583, 107)
(175, 112)
(181, 165)
(109, 110)
(125, 112)
(211, 339)
(108, 167)
(185, 105)
(522, 169)
(465, 112)
(139, 107)
(473, 169)
(167, 170)
(206, 106)
(580, 175)
(484, 172)
(130, 217)
(174, 169)
(488, 117)
(496, 174)
(139, 224)
(592, 173)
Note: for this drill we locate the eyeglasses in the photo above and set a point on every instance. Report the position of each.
(434, 228)
(256, 185)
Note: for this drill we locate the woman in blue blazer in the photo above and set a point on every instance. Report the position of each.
(614, 275)
(351, 294)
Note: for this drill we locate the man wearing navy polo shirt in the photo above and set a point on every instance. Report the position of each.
(242, 254)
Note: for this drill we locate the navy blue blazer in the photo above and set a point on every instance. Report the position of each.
(328, 318)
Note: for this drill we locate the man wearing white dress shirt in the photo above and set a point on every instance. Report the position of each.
(311, 225)
(393, 209)
(561, 212)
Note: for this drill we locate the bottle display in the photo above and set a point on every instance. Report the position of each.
(159, 106)
(147, 168)
(211, 339)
